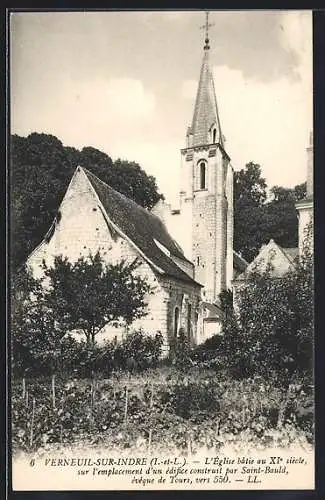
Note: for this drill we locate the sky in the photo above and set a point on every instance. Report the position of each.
(125, 83)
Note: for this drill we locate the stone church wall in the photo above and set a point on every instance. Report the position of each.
(180, 295)
(81, 228)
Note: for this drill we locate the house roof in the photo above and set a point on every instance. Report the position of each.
(213, 311)
(291, 253)
(265, 257)
(141, 227)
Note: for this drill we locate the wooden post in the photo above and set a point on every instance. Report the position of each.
(189, 447)
(92, 400)
(32, 424)
(24, 387)
(149, 441)
(151, 397)
(26, 398)
(53, 391)
(218, 426)
(126, 405)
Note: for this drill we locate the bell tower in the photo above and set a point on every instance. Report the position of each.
(207, 189)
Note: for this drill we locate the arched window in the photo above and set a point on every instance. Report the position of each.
(176, 320)
(214, 135)
(202, 175)
(189, 320)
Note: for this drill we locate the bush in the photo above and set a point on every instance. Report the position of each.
(138, 351)
(180, 351)
(208, 352)
(271, 331)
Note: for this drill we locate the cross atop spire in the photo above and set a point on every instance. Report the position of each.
(206, 26)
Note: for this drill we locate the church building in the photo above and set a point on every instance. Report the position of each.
(186, 254)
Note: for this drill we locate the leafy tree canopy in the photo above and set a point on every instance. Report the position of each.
(88, 294)
(271, 328)
(40, 171)
(258, 218)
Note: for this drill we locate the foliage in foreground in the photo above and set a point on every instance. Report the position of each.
(271, 329)
(88, 294)
(169, 410)
(84, 297)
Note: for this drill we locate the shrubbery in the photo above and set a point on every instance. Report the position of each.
(270, 332)
(137, 352)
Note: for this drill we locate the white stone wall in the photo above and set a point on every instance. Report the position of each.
(305, 222)
(181, 294)
(82, 229)
(230, 225)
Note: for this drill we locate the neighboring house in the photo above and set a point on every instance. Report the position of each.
(305, 207)
(280, 260)
(272, 258)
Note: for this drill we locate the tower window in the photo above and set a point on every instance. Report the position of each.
(198, 261)
(202, 175)
(214, 135)
(176, 320)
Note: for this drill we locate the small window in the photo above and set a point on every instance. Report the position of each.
(176, 320)
(214, 135)
(202, 175)
(198, 261)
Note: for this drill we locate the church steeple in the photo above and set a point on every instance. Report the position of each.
(205, 128)
(207, 190)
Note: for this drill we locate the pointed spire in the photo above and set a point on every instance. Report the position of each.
(206, 127)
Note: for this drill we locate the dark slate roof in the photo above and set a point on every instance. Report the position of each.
(214, 311)
(141, 227)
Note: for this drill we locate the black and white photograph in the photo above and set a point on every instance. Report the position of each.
(161, 326)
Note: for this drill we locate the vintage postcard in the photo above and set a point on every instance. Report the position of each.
(161, 258)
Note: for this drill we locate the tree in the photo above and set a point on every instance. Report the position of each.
(280, 219)
(249, 197)
(257, 219)
(36, 336)
(40, 171)
(272, 327)
(89, 294)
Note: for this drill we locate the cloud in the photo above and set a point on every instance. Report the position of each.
(256, 42)
(123, 100)
(84, 112)
(265, 123)
(296, 37)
